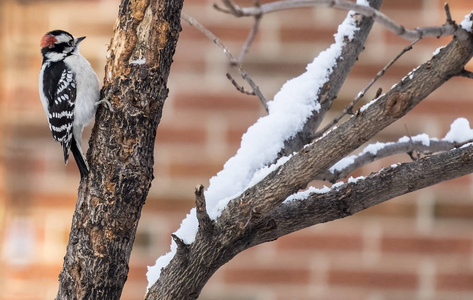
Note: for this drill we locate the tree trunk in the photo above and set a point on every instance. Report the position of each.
(121, 151)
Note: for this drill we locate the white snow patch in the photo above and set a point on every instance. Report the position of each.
(437, 50)
(467, 23)
(263, 172)
(460, 131)
(187, 233)
(302, 195)
(155, 271)
(138, 61)
(342, 164)
(363, 2)
(423, 138)
(364, 107)
(353, 180)
(373, 148)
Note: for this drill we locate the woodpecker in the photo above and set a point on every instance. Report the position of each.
(69, 91)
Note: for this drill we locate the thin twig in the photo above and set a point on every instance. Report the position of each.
(377, 16)
(239, 87)
(448, 14)
(390, 149)
(193, 22)
(251, 35)
(349, 108)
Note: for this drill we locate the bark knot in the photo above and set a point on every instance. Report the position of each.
(397, 103)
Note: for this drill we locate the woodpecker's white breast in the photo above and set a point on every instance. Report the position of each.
(87, 88)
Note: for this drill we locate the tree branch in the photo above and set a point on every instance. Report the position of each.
(202, 216)
(251, 35)
(251, 218)
(450, 28)
(310, 208)
(378, 151)
(317, 157)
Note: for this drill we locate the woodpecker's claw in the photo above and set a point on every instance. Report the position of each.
(106, 101)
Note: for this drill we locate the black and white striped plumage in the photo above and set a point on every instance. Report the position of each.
(69, 92)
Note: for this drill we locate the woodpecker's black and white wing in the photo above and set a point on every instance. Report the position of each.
(60, 89)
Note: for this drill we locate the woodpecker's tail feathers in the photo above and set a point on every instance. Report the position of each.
(80, 159)
(65, 148)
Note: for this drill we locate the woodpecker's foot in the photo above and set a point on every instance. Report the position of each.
(106, 101)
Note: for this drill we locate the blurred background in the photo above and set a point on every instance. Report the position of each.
(419, 246)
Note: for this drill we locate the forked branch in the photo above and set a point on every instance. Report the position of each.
(233, 61)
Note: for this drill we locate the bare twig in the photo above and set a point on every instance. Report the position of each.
(448, 14)
(251, 35)
(193, 22)
(418, 33)
(349, 108)
(386, 150)
(205, 222)
(239, 87)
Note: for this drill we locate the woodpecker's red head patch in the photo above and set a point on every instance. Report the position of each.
(48, 40)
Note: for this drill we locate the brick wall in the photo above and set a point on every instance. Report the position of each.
(419, 246)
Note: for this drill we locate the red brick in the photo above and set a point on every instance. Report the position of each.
(402, 4)
(37, 273)
(373, 279)
(365, 69)
(289, 69)
(455, 281)
(391, 209)
(304, 34)
(321, 242)
(206, 101)
(258, 275)
(427, 245)
(435, 105)
(457, 211)
(183, 170)
(232, 33)
(180, 135)
(234, 136)
(167, 205)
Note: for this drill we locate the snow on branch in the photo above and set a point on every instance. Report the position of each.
(238, 198)
(260, 145)
(460, 134)
(449, 28)
(315, 206)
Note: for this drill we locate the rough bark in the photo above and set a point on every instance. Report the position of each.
(260, 215)
(121, 151)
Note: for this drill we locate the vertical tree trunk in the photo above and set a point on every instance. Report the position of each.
(121, 150)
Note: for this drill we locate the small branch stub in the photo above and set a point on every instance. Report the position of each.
(180, 243)
(205, 223)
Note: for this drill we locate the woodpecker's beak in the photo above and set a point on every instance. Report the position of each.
(79, 39)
